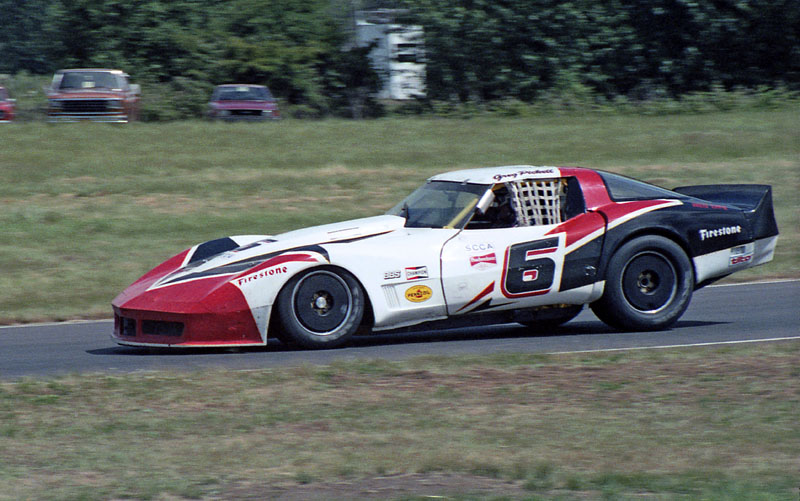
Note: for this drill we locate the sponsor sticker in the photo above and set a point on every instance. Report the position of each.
(526, 172)
(416, 273)
(483, 262)
(268, 272)
(419, 293)
(740, 259)
(719, 232)
(479, 247)
(392, 275)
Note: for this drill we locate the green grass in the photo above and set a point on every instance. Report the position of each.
(87, 208)
(711, 423)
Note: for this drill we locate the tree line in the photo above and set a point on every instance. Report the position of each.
(476, 51)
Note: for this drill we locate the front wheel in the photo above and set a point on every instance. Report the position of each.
(649, 283)
(321, 308)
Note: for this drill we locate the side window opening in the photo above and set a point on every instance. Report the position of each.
(532, 202)
(499, 215)
(546, 201)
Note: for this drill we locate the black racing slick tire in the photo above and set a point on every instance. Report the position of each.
(649, 283)
(320, 308)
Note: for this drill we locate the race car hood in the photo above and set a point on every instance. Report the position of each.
(345, 230)
(206, 268)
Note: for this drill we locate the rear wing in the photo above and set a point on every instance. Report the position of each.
(755, 200)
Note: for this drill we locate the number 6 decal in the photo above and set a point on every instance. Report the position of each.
(527, 271)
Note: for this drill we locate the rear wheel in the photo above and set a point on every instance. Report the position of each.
(320, 308)
(649, 283)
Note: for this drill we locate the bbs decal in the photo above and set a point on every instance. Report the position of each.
(528, 270)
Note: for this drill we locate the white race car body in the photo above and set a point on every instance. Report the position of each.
(227, 292)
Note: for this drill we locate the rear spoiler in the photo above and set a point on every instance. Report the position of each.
(754, 199)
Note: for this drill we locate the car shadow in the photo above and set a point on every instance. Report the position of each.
(480, 333)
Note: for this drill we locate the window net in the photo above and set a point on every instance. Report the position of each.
(540, 201)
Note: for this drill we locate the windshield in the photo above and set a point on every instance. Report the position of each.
(242, 93)
(90, 80)
(439, 204)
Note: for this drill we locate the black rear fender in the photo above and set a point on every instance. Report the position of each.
(755, 200)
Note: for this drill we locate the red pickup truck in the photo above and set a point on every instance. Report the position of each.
(7, 106)
(97, 95)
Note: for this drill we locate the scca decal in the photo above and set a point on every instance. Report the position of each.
(419, 293)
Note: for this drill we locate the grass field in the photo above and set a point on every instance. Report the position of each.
(88, 208)
(710, 423)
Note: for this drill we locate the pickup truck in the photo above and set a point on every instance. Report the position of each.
(97, 95)
(7, 106)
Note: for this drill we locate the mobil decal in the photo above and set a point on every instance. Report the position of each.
(483, 262)
(419, 293)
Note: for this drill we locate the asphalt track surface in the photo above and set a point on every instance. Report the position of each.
(726, 314)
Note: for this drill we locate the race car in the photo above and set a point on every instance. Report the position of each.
(519, 243)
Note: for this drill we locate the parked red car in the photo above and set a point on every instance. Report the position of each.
(242, 102)
(7, 106)
(97, 95)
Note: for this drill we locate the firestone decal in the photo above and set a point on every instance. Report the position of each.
(720, 232)
(280, 270)
(416, 273)
(419, 293)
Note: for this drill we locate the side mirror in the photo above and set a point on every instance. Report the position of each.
(485, 202)
(136, 89)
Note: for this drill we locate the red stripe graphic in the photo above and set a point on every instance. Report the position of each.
(538, 252)
(489, 288)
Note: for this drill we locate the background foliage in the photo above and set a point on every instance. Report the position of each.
(477, 51)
